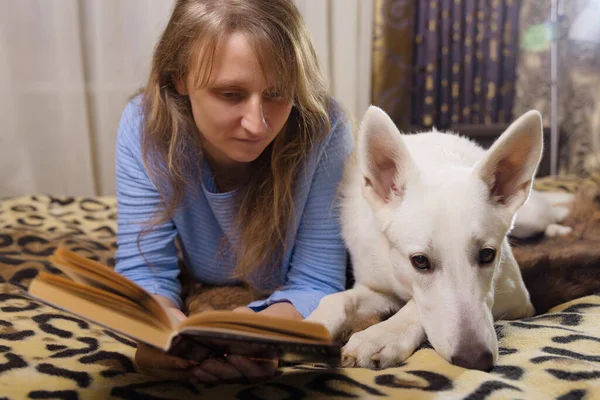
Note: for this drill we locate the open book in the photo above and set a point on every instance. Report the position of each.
(95, 292)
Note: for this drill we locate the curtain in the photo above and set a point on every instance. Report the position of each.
(69, 67)
(464, 62)
(67, 70)
(341, 31)
(392, 73)
(444, 62)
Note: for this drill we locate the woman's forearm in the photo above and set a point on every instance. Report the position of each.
(283, 310)
(164, 301)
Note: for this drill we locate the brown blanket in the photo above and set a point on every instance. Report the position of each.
(560, 269)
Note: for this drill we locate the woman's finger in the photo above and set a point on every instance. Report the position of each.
(201, 376)
(149, 357)
(177, 313)
(246, 310)
(221, 369)
(253, 370)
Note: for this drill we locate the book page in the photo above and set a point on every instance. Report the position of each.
(117, 303)
(65, 298)
(96, 274)
(256, 322)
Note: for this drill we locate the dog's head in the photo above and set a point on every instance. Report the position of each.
(446, 223)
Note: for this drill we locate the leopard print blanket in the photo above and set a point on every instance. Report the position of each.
(46, 353)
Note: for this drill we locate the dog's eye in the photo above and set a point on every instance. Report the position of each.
(487, 255)
(419, 261)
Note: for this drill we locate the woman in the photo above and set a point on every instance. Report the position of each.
(234, 147)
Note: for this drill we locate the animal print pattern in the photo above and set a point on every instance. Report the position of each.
(46, 353)
(568, 183)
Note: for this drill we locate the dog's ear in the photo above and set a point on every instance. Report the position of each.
(509, 166)
(383, 157)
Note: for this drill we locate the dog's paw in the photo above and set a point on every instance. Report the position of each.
(554, 230)
(376, 348)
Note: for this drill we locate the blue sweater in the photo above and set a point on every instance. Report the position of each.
(313, 267)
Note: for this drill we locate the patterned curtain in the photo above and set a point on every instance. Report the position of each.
(464, 62)
(392, 58)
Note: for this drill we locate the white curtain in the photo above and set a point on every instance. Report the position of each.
(68, 67)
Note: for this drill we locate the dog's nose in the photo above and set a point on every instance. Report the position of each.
(481, 360)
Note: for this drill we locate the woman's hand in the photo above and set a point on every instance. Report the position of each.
(243, 365)
(161, 365)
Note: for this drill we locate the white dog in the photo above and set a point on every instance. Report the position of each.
(425, 218)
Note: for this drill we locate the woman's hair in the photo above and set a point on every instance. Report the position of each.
(171, 144)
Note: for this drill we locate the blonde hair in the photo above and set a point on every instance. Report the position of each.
(171, 146)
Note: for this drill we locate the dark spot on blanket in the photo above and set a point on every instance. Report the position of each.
(434, 381)
(119, 363)
(541, 359)
(43, 320)
(35, 246)
(14, 361)
(574, 338)
(9, 332)
(11, 308)
(539, 326)
(22, 277)
(55, 347)
(487, 388)
(504, 351)
(573, 376)
(82, 379)
(576, 394)
(509, 371)
(56, 394)
(6, 240)
(322, 384)
(23, 208)
(33, 221)
(11, 258)
(581, 307)
(92, 345)
(570, 354)
(93, 205)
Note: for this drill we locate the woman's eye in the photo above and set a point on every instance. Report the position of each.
(420, 262)
(231, 95)
(487, 255)
(273, 95)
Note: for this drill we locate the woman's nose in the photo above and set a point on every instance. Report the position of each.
(253, 120)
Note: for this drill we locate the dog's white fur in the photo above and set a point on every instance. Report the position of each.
(443, 197)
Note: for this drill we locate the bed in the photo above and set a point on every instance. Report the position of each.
(46, 353)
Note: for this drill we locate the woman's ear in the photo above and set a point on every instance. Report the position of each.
(180, 86)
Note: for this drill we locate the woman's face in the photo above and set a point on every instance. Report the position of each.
(238, 113)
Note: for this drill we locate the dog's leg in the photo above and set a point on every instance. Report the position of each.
(387, 343)
(511, 298)
(341, 310)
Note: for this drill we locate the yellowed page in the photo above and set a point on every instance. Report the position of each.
(91, 311)
(107, 299)
(84, 270)
(257, 322)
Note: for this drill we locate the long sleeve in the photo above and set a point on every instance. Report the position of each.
(155, 267)
(318, 259)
